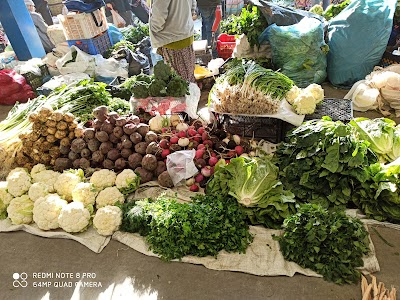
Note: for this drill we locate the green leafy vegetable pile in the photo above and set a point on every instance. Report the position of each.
(379, 196)
(254, 184)
(203, 227)
(118, 46)
(322, 160)
(135, 34)
(334, 9)
(121, 106)
(165, 82)
(327, 242)
(382, 134)
(251, 22)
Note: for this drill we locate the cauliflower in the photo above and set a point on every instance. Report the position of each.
(18, 182)
(127, 181)
(66, 183)
(74, 217)
(20, 210)
(109, 196)
(305, 104)
(3, 210)
(103, 178)
(292, 94)
(316, 91)
(107, 220)
(84, 192)
(38, 190)
(47, 177)
(5, 196)
(46, 211)
(37, 169)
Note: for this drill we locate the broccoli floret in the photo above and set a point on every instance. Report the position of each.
(162, 71)
(177, 87)
(140, 89)
(158, 88)
(144, 77)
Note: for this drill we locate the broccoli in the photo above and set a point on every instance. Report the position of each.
(158, 88)
(144, 77)
(140, 89)
(162, 71)
(177, 87)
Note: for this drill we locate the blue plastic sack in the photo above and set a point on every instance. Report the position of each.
(115, 33)
(299, 50)
(357, 40)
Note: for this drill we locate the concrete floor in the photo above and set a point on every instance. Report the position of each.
(126, 274)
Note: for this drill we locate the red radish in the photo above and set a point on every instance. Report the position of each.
(194, 188)
(197, 138)
(173, 131)
(204, 136)
(231, 153)
(208, 142)
(182, 134)
(201, 146)
(165, 153)
(174, 139)
(206, 171)
(164, 144)
(212, 170)
(212, 161)
(227, 161)
(239, 150)
(213, 154)
(191, 127)
(199, 178)
(164, 130)
(191, 132)
(201, 130)
(199, 153)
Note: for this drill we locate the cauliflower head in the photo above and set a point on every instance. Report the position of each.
(305, 103)
(37, 169)
(47, 177)
(3, 210)
(107, 220)
(74, 217)
(66, 183)
(18, 182)
(85, 192)
(46, 211)
(109, 196)
(20, 210)
(127, 181)
(5, 196)
(316, 91)
(293, 93)
(103, 178)
(38, 190)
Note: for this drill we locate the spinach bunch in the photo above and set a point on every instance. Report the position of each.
(135, 34)
(322, 161)
(327, 242)
(203, 227)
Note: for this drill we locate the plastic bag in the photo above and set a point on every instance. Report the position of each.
(115, 33)
(76, 61)
(110, 68)
(13, 88)
(138, 62)
(357, 39)
(244, 50)
(117, 19)
(363, 96)
(192, 100)
(180, 166)
(299, 50)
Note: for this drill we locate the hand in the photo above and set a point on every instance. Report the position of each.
(109, 5)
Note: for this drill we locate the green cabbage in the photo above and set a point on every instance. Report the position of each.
(254, 184)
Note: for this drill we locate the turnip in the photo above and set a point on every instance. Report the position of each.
(190, 181)
(182, 127)
(174, 139)
(199, 178)
(165, 153)
(206, 171)
(212, 161)
(183, 142)
(194, 188)
(239, 150)
(164, 144)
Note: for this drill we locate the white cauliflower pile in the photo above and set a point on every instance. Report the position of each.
(74, 217)
(127, 181)
(39, 173)
(18, 182)
(107, 220)
(305, 100)
(66, 183)
(5, 196)
(84, 192)
(109, 196)
(103, 178)
(46, 211)
(38, 190)
(20, 210)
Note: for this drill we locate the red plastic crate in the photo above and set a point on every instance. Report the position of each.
(225, 45)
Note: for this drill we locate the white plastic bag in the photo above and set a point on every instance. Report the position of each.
(110, 68)
(82, 63)
(192, 100)
(180, 166)
(117, 19)
(363, 96)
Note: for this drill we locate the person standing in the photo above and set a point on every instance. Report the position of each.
(42, 7)
(122, 7)
(207, 11)
(171, 31)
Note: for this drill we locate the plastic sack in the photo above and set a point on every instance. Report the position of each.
(117, 19)
(299, 50)
(357, 39)
(244, 50)
(110, 68)
(138, 62)
(363, 96)
(13, 88)
(8, 60)
(192, 100)
(76, 61)
(115, 33)
(180, 166)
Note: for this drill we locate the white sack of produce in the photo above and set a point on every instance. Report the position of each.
(244, 50)
(76, 61)
(56, 34)
(180, 166)
(363, 96)
(110, 67)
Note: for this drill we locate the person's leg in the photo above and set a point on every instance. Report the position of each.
(207, 17)
(44, 10)
(182, 61)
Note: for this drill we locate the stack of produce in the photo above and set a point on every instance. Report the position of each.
(203, 227)
(305, 101)
(135, 34)
(51, 131)
(248, 88)
(254, 184)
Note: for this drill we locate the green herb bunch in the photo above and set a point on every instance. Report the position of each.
(327, 242)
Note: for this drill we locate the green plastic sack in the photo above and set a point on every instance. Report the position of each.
(299, 50)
